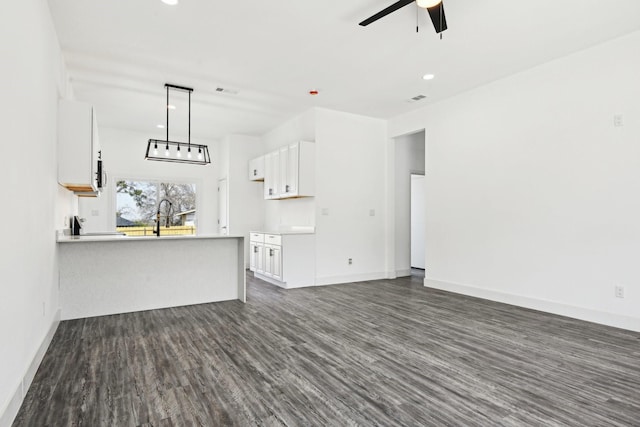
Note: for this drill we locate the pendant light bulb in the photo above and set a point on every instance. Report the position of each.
(155, 149)
(199, 153)
(189, 153)
(166, 151)
(426, 4)
(178, 154)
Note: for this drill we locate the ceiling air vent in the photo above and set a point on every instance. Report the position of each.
(417, 98)
(227, 91)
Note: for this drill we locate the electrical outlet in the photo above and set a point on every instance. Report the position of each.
(619, 289)
(350, 261)
(618, 120)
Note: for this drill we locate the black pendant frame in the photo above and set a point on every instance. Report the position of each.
(196, 154)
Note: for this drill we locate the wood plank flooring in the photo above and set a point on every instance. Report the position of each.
(387, 352)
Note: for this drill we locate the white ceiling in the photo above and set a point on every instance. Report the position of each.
(119, 54)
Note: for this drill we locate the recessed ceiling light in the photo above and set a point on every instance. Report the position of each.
(171, 107)
(170, 2)
(160, 126)
(428, 77)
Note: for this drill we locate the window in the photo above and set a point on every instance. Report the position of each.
(138, 204)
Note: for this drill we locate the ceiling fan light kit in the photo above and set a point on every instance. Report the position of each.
(434, 7)
(177, 152)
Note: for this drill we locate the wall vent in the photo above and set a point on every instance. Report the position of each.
(417, 98)
(227, 91)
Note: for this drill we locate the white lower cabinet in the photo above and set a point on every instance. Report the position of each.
(256, 252)
(273, 261)
(256, 257)
(286, 260)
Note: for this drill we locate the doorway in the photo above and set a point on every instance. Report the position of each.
(409, 160)
(418, 219)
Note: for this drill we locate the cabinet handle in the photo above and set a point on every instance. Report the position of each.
(271, 191)
(270, 252)
(286, 188)
(255, 249)
(255, 172)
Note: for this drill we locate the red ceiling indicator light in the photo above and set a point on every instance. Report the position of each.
(313, 92)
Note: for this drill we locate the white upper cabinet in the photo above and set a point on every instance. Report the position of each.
(79, 154)
(290, 171)
(282, 172)
(272, 175)
(256, 169)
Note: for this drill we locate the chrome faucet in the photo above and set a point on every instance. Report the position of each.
(157, 230)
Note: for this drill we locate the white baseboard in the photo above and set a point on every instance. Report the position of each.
(324, 281)
(403, 273)
(336, 280)
(11, 410)
(581, 313)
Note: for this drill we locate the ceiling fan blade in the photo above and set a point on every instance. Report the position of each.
(397, 5)
(436, 13)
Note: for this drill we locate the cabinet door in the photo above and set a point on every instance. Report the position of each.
(96, 150)
(256, 257)
(268, 261)
(270, 175)
(292, 169)
(260, 259)
(253, 249)
(276, 262)
(256, 169)
(284, 174)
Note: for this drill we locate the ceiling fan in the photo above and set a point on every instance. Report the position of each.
(434, 7)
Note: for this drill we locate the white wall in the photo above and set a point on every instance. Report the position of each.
(282, 214)
(533, 193)
(409, 158)
(418, 222)
(350, 182)
(123, 154)
(245, 197)
(32, 78)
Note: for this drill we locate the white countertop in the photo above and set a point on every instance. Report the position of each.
(284, 233)
(121, 238)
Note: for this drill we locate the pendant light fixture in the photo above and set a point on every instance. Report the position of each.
(426, 4)
(179, 152)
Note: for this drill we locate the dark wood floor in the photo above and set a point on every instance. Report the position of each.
(387, 352)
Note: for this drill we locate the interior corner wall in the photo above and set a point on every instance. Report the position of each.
(409, 158)
(123, 155)
(533, 191)
(246, 197)
(282, 214)
(34, 204)
(350, 197)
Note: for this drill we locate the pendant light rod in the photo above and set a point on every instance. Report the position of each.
(172, 148)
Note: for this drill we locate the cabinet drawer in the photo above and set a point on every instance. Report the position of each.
(256, 237)
(273, 239)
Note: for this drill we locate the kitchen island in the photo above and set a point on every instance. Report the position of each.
(101, 275)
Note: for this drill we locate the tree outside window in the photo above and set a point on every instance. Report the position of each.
(137, 207)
